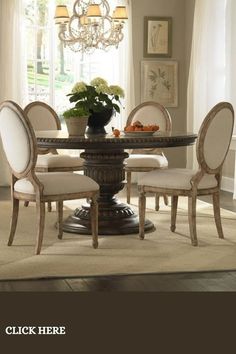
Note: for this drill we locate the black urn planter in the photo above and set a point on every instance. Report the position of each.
(97, 121)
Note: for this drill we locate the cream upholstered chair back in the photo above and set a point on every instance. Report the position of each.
(42, 116)
(214, 137)
(18, 139)
(151, 113)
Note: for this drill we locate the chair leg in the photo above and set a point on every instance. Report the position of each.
(49, 207)
(14, 218)
(157, 202)
(60, 218)
(192, 219)
(216, 206)
(94, 221)
(40, 206)
(166, 201)
(128, 186)
(142, 209)
(174, 205)
(26, 203)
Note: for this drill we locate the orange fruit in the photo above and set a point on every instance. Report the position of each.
(155, 127)
(116, 133)
(137, 123)
(129, 128)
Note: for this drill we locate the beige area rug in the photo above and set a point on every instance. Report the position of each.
(161, 251)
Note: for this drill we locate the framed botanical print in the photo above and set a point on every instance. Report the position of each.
(160, 82)
(157, 37)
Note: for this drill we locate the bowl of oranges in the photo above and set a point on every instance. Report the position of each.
(139, 129)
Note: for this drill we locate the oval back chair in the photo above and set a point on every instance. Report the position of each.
(144, 160)
(43, 117)
(212, 146)
(151, 113)
(20, 146)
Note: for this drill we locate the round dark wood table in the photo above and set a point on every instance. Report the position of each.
(104, 162)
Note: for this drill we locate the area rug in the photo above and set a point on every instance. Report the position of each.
(162, 251)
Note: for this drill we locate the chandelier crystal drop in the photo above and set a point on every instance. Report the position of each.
(91, 26)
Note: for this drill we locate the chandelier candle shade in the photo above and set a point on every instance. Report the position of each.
(91, 26)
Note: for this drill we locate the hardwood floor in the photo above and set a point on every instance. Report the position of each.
(187, 282)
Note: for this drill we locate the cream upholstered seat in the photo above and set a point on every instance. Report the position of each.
(51, 161)
(54, 181)
(216, 127)
(143, 160)
(147, 161)
(43, 117)
(19, 143)
(177, 178)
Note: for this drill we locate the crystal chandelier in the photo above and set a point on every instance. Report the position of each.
(91, 26)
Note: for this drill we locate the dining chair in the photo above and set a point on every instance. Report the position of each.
(43, 117)
(212, 146)
(144, 160)
(20, 146)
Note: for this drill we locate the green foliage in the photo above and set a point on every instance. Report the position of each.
(96, 97)
(43, 79)
(75, 112)
(93, 101)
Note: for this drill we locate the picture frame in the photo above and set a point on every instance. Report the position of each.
(157, 37)
(159, 82)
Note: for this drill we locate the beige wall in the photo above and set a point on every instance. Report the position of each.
(181, 12)
(228, 169)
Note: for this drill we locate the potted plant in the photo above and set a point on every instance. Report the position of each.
(76, 120)
(99, 99)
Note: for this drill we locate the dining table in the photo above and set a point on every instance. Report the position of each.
(104, 160)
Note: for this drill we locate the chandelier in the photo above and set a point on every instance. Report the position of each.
(91, 26)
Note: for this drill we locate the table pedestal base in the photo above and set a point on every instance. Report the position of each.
(114, 219)
(106, 167)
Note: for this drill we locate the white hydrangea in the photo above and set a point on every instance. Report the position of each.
(98, 81)
(102, 88)
(116, 91)
(79, 87)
